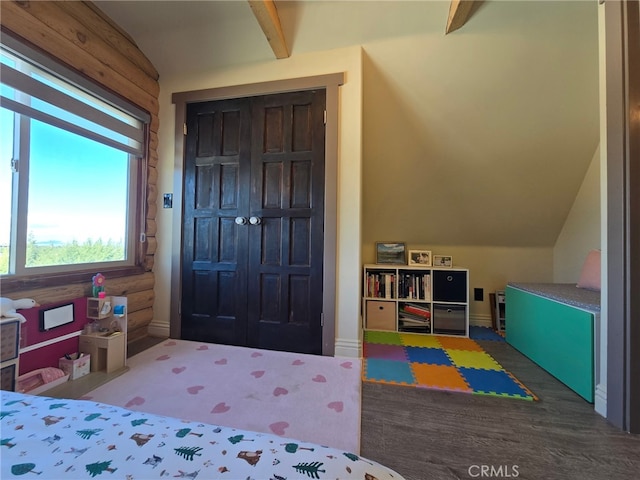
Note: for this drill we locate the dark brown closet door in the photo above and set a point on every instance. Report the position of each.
(286, 251)
(214, 246)
(254, 222)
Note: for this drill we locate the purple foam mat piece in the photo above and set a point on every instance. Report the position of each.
(386, 352)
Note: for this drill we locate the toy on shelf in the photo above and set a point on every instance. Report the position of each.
(97, 285)
(8, 307)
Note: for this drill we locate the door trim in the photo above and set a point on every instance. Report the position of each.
(622, 31)
(330, 83)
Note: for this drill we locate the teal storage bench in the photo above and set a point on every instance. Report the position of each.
(554, 325)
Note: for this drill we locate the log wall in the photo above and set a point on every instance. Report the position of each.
(85, 39)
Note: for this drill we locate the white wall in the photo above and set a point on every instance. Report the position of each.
(581, 230)
(458, 150)
(348, 60)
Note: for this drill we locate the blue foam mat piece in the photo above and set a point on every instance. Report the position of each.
(431, 356)
(494, 381)
(389, 371)
(484, 333)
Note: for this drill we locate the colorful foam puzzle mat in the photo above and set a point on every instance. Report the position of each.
(456, 364)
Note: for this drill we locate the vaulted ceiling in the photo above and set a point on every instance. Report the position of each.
(151, 20)
(487, 131)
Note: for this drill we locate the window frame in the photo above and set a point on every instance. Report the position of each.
(46, 276)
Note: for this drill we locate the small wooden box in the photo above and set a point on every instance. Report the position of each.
(99, 308)
(77, 366)
(380, 315)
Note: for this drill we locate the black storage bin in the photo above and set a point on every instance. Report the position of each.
(449, 286)
(449, 319)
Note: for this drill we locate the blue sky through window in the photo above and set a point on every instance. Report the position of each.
(77, 188)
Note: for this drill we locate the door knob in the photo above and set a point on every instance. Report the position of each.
(255, 220)
(241, 221)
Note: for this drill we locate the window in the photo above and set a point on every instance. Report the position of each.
(71, 173)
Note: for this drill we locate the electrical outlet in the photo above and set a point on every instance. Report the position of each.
(478, 294)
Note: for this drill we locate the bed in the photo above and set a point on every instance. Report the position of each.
(66, 439)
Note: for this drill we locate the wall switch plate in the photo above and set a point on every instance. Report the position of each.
(478, 294)
(167, 200)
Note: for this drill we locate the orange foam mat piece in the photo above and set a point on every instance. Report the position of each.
(444, 377)
(459, 343)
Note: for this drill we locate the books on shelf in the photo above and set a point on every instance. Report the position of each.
(381, 285)
(415, 286)
(414, 321)
(408, 285)
(414, 317)
(406, 324)
(426, 329)
(415, 309)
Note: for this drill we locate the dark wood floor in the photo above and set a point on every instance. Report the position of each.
(425, 434)
(140, 345)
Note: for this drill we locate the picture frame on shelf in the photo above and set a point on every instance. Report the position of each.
(420, 257)
(391, 253)
(443, 261)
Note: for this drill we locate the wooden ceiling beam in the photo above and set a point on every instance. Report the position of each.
(267, 15)
(459, 12)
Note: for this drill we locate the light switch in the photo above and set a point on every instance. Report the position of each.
(167, 201)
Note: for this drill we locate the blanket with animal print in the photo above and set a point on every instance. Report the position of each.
(65, 439)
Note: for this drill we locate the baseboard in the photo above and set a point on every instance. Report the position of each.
(480, 320)
(600, 402)
(348, 348)
(158, 329)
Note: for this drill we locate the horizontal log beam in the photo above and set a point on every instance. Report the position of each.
(152, 245)
(152, 210)
(137, 334)
(95, 19)
(149, 261)
(140, 318)
(127, 285)
(140, 300)
(152, 175)
(114, 286)
(57, 18)
(17, 19)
